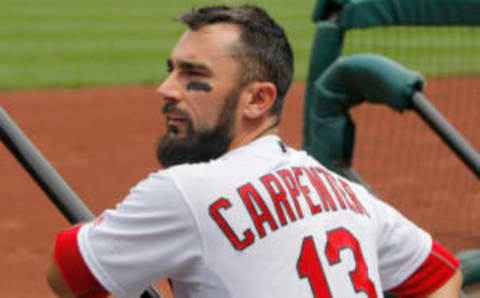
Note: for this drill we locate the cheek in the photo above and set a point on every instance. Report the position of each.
(201, 111)
(205, 107)
(210, 115)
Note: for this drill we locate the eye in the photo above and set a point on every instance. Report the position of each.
(169, 66)
(194, 73)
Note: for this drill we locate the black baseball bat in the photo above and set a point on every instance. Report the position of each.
(447, 132)
(57, 190)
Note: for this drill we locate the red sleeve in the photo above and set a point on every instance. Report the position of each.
(437, 269)
(74, 270)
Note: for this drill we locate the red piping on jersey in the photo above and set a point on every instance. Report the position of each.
(437, 269)
(73, 268)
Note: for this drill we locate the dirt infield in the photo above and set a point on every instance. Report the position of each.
(102, 142)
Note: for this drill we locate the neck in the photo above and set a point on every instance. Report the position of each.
(242, 139)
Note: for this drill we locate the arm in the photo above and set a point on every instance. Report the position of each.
(450, 289)
(438, 277)
(56, 282)
(61, 288)
(149, 236)
(67, 273)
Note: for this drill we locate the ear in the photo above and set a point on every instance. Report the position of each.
(261, 97)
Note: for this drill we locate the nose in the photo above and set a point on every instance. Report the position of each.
(169, 90)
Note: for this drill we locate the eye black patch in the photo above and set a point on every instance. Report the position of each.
(199, 86)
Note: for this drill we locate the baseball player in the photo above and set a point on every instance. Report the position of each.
(236, 212)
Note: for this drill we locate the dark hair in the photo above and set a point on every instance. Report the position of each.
(264, 52)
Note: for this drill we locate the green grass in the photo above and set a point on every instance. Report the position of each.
(66, 43)
(73, 43)
(438, 51)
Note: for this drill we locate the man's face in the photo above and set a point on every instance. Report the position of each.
(200, 96)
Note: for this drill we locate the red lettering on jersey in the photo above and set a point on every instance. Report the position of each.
(344, 196)
(333, 186)
(354, 198)
(341, 239)
(248, 192)
(322, 190)
(292, 188)
(279, 198)
(306, 191)
(214, 211)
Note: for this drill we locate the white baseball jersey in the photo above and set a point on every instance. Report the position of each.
(262, 221)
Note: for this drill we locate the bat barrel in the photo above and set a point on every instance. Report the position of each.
(447, 132)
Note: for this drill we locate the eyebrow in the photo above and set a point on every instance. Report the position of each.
(189, 65)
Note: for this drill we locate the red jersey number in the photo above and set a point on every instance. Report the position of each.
(309, 266)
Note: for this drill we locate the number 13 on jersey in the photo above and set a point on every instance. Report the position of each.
(310, 267)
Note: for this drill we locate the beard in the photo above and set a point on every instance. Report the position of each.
(202, 145)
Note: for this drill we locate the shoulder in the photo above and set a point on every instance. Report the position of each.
(158, 191)
(254, 157)
(192, 173)
(159, 181)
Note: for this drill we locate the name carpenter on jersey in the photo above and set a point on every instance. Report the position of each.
(322, 192)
